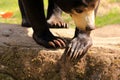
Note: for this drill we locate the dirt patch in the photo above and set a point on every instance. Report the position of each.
(108, 36)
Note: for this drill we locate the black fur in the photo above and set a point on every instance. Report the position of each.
(33, 15)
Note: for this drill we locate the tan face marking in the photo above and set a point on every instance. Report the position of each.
(84, 16)
(84, 19)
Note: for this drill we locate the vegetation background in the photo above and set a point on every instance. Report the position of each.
(108, 12)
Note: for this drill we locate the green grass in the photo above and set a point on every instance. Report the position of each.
(114, 0)
(12, 5)
(112, 17)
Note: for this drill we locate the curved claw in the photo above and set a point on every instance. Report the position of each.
(57, 23)
(85, 49)
(78, 47)
(78, 52)
(53, 43)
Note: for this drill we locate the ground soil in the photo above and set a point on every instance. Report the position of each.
(107, 36)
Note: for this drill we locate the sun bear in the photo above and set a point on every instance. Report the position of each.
(82, 12)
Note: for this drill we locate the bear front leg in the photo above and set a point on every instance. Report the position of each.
(42, 34)
(54, 16)
(25, 21)
(79, 45)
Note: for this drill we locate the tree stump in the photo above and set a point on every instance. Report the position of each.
(22, 59)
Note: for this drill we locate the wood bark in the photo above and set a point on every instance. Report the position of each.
(22, 59)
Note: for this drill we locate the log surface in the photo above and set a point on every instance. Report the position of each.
(22, 59)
